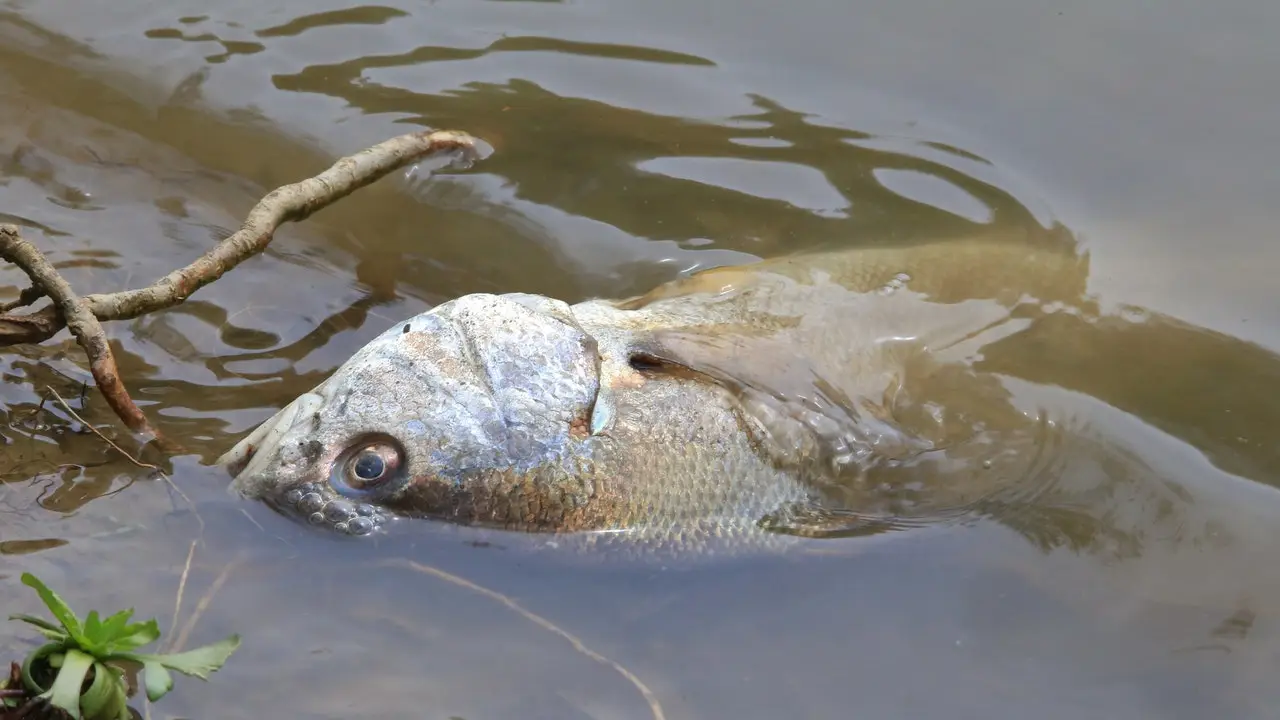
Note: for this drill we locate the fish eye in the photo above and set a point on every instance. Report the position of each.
(366, 467)
(369, 465)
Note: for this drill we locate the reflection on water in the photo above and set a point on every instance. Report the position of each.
(1131, 574)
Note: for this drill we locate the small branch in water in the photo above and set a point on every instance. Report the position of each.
(26, 297)
(655, 707)
(82, 323)
(98, 432)
(182, 586)
(181, 641)
(288, 203)
(67, 407)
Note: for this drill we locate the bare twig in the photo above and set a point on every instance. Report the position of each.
(181, 641)
(28, 296)
(182, 586)
(98, 432)
(287, 203)
(194, 510)
(655, 707)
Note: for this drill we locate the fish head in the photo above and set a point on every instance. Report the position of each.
(449, 413)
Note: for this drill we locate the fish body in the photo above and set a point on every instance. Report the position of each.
(734, 407)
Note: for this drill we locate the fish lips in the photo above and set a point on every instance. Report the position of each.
(483, 382)
(247, 459)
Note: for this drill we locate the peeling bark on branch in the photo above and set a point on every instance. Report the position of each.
(288, 203)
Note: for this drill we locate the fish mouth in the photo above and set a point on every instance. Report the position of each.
(246, 460)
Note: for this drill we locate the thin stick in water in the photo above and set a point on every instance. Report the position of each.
(655, 707)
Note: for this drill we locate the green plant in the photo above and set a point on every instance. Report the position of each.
(82, 668)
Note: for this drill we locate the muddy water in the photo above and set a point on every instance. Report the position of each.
(632, 146)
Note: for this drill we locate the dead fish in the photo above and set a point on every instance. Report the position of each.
(726, 408)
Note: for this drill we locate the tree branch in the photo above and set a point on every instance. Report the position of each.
(288, 203)
(28, 296)
(82, 323)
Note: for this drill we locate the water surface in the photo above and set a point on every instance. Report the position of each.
(634, 144)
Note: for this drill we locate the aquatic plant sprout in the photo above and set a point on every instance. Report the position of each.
(97, 645)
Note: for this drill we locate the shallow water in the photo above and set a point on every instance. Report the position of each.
(633, 145)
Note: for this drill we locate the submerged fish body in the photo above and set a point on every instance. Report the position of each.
(734, 406)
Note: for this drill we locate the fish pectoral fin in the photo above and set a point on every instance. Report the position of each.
(733, 356)
(773, 383)
(814, 521)
(803, 418)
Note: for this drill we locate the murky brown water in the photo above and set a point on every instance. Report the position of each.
(633, 145)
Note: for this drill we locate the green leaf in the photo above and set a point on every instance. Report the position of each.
(159, 681)
(38, 622)
(65, 692)
(46, 628)
(44, 655)
(198, 662)
(56, 606)
(134, 636)
(106, 696)
(93, 628)
(115, 626)
(117, 709)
